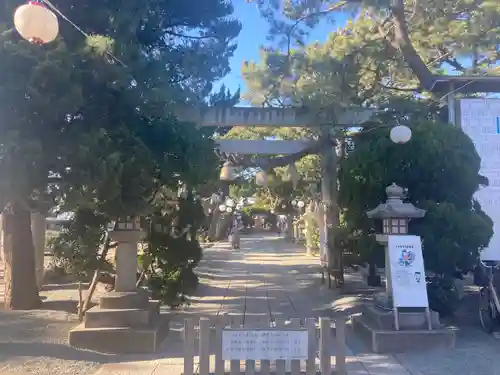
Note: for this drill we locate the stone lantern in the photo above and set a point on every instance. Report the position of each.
(126, 320)
(404, 329)
(395, 215)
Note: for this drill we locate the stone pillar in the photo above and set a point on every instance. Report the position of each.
(295, 232)
(126, 259)
(38, 230)
(289, 228)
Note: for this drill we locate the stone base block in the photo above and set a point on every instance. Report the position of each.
(116, 340)
(408, 318)
(391, 341)
(97, 317)
(125, 300)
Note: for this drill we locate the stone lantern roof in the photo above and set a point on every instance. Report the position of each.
(394, 207)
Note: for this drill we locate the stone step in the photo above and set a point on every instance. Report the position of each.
(392, 341)
(120, 340)
(124, 300)
(384, 319)
(98, 317)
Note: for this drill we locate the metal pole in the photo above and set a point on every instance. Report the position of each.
(396, 318)
(429, 319)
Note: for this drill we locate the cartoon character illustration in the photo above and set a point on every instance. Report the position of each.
(418, 276)
(407, 257)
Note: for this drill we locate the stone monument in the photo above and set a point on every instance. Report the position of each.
(415, 328)
(126, 320)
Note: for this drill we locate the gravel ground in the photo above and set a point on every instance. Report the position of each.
(35, 342)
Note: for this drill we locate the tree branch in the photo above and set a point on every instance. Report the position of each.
(404, 89)
(190, 36)
(403, 43)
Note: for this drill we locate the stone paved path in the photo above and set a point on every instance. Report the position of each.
(266, 277)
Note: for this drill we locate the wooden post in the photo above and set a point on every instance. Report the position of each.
(280, 364)
(325, 362)
(265, 365)
(188, 346)
(312, 346)
(295, 370)
(220, 324)
(340, 347)
(204, 346)
(235, 365)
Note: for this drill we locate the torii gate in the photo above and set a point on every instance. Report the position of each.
(276, 117)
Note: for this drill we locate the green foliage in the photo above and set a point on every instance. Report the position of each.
(96, 136)
(79, 244)
(175, 252)
(440, 168)
(443, 32)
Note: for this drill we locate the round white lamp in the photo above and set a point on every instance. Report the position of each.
(222, 207)
(400, 134)
(36, 23)
(300, 204)
(229, 210)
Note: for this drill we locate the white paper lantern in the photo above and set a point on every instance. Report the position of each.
(222, 207)
(400, 134)
(261, 178)
(36, 23)
(228, 172)
(300, 204)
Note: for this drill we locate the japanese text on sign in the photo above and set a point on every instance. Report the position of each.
(264, 344)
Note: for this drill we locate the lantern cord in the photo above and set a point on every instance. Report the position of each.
(76, 27)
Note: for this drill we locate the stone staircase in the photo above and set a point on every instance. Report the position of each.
(123, 322)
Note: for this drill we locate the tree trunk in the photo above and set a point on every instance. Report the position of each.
(21, 290)
(38, 229)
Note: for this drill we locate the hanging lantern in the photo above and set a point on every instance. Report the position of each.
(400, 134)
(36, 23)
(261, 178)
(292, 175)
(228, 172)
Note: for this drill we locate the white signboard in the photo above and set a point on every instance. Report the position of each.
(407, 271)
(480, 120)
(264, 344)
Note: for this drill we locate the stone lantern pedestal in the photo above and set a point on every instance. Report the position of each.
(126, 320)
(416, 329)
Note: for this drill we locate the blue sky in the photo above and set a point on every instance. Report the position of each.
(253, 35)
